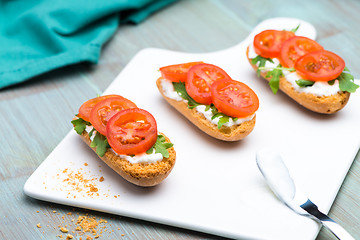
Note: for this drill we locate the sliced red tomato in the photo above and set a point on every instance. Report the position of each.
(295, 47)
(268, 43)
(85, 108)
(234, 98)
(105, 109)
(320, 66)
(131, 131)
(178, 72)
(199, 79)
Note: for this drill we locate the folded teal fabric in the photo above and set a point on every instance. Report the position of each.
(37, 36)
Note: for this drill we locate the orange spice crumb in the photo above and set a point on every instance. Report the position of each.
(77, 183)
(64, 230)
(93, 188)
(38, 225)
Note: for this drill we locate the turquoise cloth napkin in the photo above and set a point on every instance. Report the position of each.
(37, 36)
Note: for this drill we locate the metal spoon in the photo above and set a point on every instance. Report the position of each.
(279, 180)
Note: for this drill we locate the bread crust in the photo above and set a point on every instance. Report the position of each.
(141, 174)
(233, 133)
(320, 104)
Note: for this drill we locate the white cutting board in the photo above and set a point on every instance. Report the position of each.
(215, 187)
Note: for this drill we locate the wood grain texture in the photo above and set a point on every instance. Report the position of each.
(35, 115)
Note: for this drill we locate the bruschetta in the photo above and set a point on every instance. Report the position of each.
(126, 138)
(206, 95)
(300, 67)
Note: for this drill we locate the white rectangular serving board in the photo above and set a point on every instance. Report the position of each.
(215, 187)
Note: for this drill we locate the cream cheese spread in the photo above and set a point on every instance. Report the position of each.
(169, 92)
(139, 158)
(318, 88)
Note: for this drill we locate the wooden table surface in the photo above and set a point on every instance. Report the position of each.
(35, 115)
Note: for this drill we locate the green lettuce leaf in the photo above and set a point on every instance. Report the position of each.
(100, 143)
(304, 83)
(179, 87)
(331, 82)
(181, 90)
(262, 62)
(160, 146)
(80, 125)
(222, 117)
(346, 81)
(275, 76)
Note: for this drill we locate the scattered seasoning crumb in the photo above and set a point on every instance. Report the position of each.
(79, 184)
(85, 164)
(93, 188)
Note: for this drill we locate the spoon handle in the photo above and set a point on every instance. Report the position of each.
(338, 231)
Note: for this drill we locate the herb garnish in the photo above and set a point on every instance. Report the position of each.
(223, 118)
(100, 141)
(294, 30)
(160, 146)
(275, 76)
(304, 83)
(346, 81)
(101, 144)
(179, 87)
(80, 125)
(262, 62)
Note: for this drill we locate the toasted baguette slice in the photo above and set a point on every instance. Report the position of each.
(141, 174)
(320, 104)
(233, 133)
